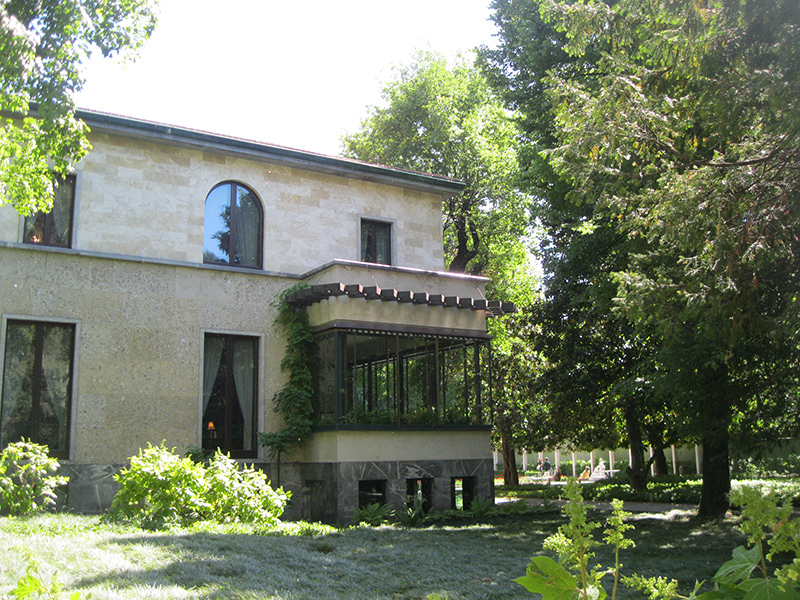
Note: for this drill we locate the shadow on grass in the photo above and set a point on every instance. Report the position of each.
(464, 562)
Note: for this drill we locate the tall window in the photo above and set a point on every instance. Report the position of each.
(233, 226)
(37, 384)
(376, 242)
(55, 227)
(230, 384)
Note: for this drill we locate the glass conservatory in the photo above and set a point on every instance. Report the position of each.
(391, 378)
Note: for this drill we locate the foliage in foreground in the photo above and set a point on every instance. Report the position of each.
(33, 584)
(746, 576)
(42, 47)
(28, 479)
(160, 488)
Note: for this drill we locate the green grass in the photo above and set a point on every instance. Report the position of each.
(475, 561)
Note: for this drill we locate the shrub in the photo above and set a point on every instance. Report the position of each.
(768, 466)
(414, 515)
(373, 514)
(481, 508)
(242, 494)
(160, 488)
(28, 479)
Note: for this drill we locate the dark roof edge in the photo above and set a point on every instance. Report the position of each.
(344, 167)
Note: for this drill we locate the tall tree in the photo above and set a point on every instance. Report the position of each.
(42, 46)
(596, 382)
(689, 133)
(445, 119)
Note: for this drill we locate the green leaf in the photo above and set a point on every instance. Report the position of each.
(768, 589)
(739, 567)
(546, 577)
(26, 586)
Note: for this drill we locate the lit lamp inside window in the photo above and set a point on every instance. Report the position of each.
(211, 431)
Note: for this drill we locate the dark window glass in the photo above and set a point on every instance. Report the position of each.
(371, 491)
(55, 227)
(37, 384)
(230, 368)
(233, 227)
(376, 242)
(371, 378)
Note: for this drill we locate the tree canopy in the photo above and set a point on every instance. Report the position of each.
(592, 389)
(42, 46)
(446, 120)
(687, 133)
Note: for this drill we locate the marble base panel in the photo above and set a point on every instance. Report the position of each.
(330, 491)
(324, 492)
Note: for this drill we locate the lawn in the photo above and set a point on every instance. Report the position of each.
(469, 561)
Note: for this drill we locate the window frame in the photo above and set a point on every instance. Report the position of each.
(401, 379)
(40, 322)
(234, 185)
(49, 224)
(374, 223)
(257, 379)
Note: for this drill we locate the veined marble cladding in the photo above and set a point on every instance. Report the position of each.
(91, 488)
(326, 492)
(329, 491)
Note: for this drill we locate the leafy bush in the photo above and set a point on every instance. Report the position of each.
(242, 494)
(766, 467)
(414, 515)
(481, 508)
(373, 514)
(160, 488)
(28, 479)
(786, 491)
(769, 528)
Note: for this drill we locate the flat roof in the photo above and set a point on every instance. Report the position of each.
(334, 165)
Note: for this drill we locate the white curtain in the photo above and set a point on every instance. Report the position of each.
(62, 212)
(248, 227)
(212, 354)
(244, 377)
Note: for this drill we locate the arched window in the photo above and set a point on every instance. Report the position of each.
(233, 226)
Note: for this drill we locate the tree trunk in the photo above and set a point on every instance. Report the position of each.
(659, 461)
(637, 471)
(715, 494)
(510, 475)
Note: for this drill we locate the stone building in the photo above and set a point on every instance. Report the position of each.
(141, 308)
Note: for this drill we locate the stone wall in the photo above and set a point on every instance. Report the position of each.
(140, 198)
(140, 330)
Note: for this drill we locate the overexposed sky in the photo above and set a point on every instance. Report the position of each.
(297, 73)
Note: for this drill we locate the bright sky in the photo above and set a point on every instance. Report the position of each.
(297, 73)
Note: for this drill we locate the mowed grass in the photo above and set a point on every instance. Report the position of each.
(476, 561)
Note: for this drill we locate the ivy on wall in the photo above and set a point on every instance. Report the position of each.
(294, 400)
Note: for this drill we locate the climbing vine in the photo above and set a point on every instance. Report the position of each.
(294, 400)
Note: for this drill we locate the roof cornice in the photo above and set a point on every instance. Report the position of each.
(334, 165)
